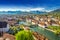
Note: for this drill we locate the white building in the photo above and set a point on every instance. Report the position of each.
(4, 27)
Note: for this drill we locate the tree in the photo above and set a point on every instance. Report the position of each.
(24, 35)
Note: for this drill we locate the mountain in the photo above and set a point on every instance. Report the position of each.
(38, 12)
(57, 10)
(21, 12)
(55, 13)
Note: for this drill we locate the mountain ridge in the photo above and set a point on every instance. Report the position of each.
(21, 12)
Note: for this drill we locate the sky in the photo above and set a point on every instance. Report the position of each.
(27, 5)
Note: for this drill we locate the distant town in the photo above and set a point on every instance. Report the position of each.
(44, 26)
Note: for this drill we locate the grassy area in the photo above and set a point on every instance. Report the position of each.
(56, 29)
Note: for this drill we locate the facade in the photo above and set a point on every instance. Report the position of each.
(4, 27)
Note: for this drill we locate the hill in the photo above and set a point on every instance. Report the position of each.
(55, 13)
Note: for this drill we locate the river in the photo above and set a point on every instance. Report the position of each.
(50, 35)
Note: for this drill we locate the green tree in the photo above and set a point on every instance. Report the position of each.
(24, 35)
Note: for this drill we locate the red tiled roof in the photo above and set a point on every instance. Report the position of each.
(6, 35)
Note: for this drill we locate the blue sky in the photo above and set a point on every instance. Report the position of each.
(29, 4)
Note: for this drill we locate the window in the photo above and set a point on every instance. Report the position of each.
(3, 24)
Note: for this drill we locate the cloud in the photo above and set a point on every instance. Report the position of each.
(32, 9)
(49, 10)
(40, 9)
(28, 9)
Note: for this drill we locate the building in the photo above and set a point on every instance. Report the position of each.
(11, 21)
(4, 26)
